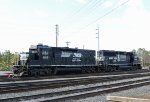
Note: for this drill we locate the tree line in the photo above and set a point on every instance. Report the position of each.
(144, 56)
(8, 59)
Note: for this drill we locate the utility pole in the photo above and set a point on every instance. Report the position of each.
(98, 44)
(67, 43)
(98, 36)
(57, 32)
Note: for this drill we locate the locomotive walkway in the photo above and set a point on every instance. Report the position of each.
(70, 88)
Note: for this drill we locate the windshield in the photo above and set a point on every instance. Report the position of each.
(23, 58)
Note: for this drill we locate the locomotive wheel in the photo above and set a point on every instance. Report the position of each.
(111, 68)
(107, 69)
(134, 68)
(83, 70)
(36, 73)
(114, 69)
(55, 71)
(30, 73)
(93, 70)
(139, 67)
(87, 69)
(98, 70)
(43, 73)
(49, 72)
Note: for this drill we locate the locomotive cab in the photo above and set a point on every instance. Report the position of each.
(23, 58)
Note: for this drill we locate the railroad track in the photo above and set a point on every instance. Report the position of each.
(5, 79)
(16, 87)
(20, 86)
(103, 90)
(80, 92)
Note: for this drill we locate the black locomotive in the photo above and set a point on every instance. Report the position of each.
(118, 60)
(45, 60)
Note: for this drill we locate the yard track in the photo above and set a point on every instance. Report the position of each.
(22, 86)
(69, 75)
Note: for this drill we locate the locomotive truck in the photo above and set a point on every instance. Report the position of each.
(45, 60)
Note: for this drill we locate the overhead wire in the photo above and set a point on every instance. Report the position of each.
(99, 18)
(94, 9)
(79, 11)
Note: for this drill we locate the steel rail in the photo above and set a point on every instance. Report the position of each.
(20, 87)
(84, 92)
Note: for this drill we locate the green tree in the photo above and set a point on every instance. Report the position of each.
(7, 59)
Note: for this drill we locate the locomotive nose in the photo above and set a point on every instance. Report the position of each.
(14, 70)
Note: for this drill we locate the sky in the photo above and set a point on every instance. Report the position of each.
(123, 24)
